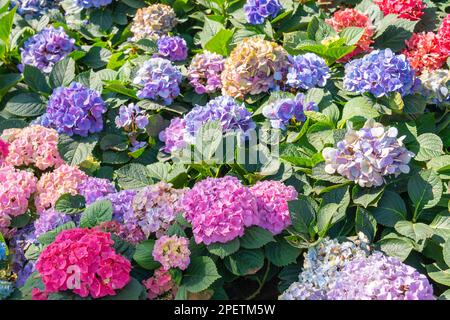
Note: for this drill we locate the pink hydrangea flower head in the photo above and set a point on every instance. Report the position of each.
(406, 9)
(219, 209)
(172, 252)
(4, 150)
(204, 72)
(84, 261)
(160, 285)
(34, 145)
(272, 198)
(425, 52)
(52, 185)
(444, 33)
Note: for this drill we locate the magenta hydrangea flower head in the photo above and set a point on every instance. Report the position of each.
(4, 151)
(93, 189)
(49, 220)
(272, 198)
(173, 135)
(172, 252)
(75, 110)
(368, 155)
(172, 48)
(307, 71)
(46, 48)
(159, 80)
(87, 4)
(204, 72)
(160, 286)
(219, 209)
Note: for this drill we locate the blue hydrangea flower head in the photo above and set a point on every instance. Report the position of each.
(257, 11)
(307, 71)
(86, 4)
(172, 48)
(30, 9)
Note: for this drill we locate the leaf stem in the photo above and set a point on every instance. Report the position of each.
(260, 282)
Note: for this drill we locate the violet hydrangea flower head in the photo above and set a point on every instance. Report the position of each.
(172, 48)
(172, 252)
(380, 73)
(131, 118)
(46, 48)
(219, 209)
(204, 72)
(257, 11)
(19, 243)
(367, 155)
(122, 203)
(159, 79)
(281, 111)
(49, 220)
(436, 85)
(378, 277)
(173, 135)
(307, 71)
(87, 4)
(30, 9)
(94, 188)
(75, 110)
(153, 21)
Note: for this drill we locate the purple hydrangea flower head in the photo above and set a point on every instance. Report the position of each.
(46, 48)
(257, 11)
(159, 79)
(30, 9)
(86, 4)
(307, 71)
(281, 111)
(93, 189)
(173, 135)
(205, 71)
(18, 245)
(75, 110)
(380, 72)
(49, 220)
(131, 118)
(122, 203)
(172, 48)
(367, 155)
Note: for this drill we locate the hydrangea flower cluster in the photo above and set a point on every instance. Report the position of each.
(219, 209)
(378, 277)
(257, 11)
(406, 9)
(75, 110)
(272, 197)
(122, 203)
(254, 66)
(84, 261)
(20, 241)
(367, 155)
(33, 145)
(444, 34)
(131, 118)
(16, 188)
(281, 111)
(30, 9)
(4, 151)
(49, 220)
(172, 252)
(204, 72)
(46, 48)
(153, 21)
(172, 48)
(160, 80)
(424, 51)
(93, 189)
(436, 85)
(349, 17)
(307, 71)
(87, 4)
(173, 135)
(160, 285)
(52, 185)
(380, 72)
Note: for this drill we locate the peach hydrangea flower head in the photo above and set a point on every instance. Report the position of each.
(153, 21)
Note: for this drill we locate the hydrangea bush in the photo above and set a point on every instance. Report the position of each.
(256, 149)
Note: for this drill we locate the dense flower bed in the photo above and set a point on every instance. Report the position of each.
(254, 149)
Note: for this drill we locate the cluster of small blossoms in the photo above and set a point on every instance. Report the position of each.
(406, 9)
(345, 18)
(20, 241)
(307, 71)
(30, 9)
(257, 11)
(281, 111)
(172, 252)
(380, 72)
(205, 71)
(254, 66)
(93, 189)
(75, 110)
(49, 220)
(4, 151)
(367, 155)
(16, 188)
(173, 135)
(52, 185)
(34, 145)
(444, 34)
(159, 79)
(436, 85)
(46, 48)
(172, 48)
(133, 120)
(160, 285)
(87, 4)
(84, 261)
(153, 21)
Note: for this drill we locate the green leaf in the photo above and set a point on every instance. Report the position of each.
(35, 79)
(415, 231)
(395, 34)
(245, 262)
(133, 176)
(26, 105)
(143, 255)
(102, 18)
(396, 246)
(365, 223)
(430, 146)
(441, 225)
(98, 212)
(439, 273)
(224, 249)
(134, 290)
(446, 252)
(6, 23)
(255, 237)
(97, 57)
(70, 204)
(425, 189)
(358, 109)
(302, 214)
(281, 253)
(208, 139)
(220, 43)
(74, 150)
(63, 73)
(50, 236)
(414, 104)
(318, 173)
(366, 196)
(390, 209)
(352, 35)
(120, 88)
(200, 275)
(114, 142)
(209, 30)
(91, 80)
(7, 81)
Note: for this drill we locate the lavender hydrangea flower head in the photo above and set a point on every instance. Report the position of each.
(18, 245)
(367, 155)
(153, 21)
(307, 71)
(436, 85)
(93, 189)
(380, 72)
(30, 9)
(160, 80)
(75, 110)
(204, 72)
(281, 111)
(172, 48)
(122, 203)
(46, 48)
(87, 4)
(173, 135)
(131, 118)
(49, 220)
(257, 11)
